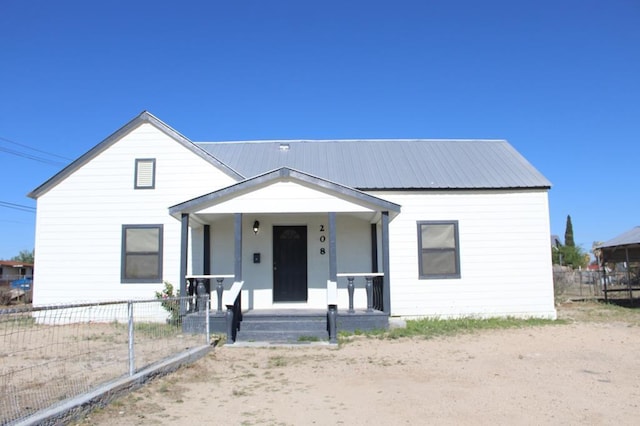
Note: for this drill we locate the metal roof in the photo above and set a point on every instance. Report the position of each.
(629, 237)
(387, 164)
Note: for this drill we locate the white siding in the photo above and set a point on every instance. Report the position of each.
(505, 257)
(79, 221)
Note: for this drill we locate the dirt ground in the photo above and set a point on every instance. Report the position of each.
(586, 371)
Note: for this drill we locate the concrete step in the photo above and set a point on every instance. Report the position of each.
(284, 324)
(276, 336)
(283, 327)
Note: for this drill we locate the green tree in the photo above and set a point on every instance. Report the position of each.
(574, 256)
(25, 256)
(568, 233)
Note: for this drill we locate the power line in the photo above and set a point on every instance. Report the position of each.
(32, 157)
(34, 149)
(20, 207)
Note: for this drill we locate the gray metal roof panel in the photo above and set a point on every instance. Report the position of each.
(629, 237)
(388, 164)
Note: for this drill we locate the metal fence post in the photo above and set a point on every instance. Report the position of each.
(132, 361)
(207, 305)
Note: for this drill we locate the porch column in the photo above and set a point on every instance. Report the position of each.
(206, 257)
(333, 265)
(374, 248)
(184, 253)
(332, 312)
(386, 279)
(206, 251)
(237, 270)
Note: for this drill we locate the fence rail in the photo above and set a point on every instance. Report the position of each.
(576, 284)
(52, 353)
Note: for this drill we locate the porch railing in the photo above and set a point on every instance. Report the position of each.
(373, 286)
(373, 301)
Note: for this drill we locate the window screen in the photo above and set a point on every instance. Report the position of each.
(439, 252)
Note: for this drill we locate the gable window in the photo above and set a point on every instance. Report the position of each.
(145, 173)
(439, 250)
(141, 253)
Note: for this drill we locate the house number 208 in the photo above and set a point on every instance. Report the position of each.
(323, 238)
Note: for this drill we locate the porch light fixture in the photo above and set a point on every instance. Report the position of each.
(256, 227)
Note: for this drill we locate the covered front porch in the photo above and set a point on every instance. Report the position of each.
(285, 252)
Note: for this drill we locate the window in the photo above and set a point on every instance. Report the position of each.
(439, 251)
(141, 253)
(145, 173)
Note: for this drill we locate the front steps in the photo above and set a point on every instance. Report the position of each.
(287, 325)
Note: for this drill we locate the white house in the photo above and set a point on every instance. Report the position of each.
(442, 228)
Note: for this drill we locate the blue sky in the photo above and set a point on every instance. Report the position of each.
(558, 79)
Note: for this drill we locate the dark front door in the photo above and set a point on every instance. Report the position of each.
(289, 263)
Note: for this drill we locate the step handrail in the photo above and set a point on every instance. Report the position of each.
(233, 301)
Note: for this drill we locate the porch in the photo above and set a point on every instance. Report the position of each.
(279, 241)
(285, 325)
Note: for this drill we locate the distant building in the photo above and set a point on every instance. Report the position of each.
(11, 270)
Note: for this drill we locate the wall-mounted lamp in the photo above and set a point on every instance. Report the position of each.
(256, 227)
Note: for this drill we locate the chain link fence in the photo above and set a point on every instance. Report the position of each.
(49, 354)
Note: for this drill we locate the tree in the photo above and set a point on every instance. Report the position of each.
(568, 233)
(25, 256)
(570, 256)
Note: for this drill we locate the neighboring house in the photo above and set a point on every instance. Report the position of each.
(456, 227)
(11, 270)
(623, 254)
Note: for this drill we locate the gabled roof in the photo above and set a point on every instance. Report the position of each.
(388, 164)
(630, 237)
(143, 117)
(362, 164)
(283, 173)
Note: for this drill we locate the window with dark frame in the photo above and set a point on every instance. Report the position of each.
(145, 173)
(141, 253)
(439, 249)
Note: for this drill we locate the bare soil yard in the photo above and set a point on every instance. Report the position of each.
(586, 371)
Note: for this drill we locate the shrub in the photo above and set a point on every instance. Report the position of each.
(170, 302)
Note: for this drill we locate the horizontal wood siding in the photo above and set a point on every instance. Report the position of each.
(505, 257)
(79, 221)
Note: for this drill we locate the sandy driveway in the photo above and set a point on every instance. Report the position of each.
(584, 372)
